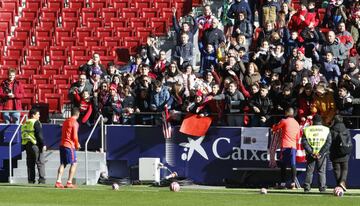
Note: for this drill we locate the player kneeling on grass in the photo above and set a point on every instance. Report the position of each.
(316, 141)
(69, 143)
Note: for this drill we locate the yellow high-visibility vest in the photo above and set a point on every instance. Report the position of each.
(28, 132)
(316, 136)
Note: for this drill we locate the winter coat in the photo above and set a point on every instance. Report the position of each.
(213, 36)
(264, 104)
(190, 33)
(185, 51)
(344, 105)
(337, 48)
(325, 106)
(237, 7)
(159, 99)
(245, 28)
(335, 155)
(331, 71)
(17, 90)
(346, 38)
(276, 62)
(233, 102)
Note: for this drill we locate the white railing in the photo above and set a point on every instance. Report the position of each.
(10, 148)
(87, 142)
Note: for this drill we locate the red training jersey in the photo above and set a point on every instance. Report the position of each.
(69, 134)
(290, 130)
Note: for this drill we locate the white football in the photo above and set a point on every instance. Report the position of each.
(175, 187)
(338, 191)
(115, 186)
(263, 191)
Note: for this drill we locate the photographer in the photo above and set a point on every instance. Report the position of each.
(91, 65)
(11, 92)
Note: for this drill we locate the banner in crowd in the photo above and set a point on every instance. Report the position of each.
(207, 159)
(195, 125)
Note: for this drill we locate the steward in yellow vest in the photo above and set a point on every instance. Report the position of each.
(316, 141)
(32, 140)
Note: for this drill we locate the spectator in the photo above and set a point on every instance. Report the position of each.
(204, 21)
(269, 12)
(185, 27)
(11, 93)
(208, 59)
(184, 52)
(262, 107)
(316, 77)
(252, 75)
(330, 69)
(172, 74)
(151, 49)
(213, 35)
(243, 26)
(277, 59)
(334, 46)
(128, 103)
(81, 85)
(344, 104)
(345, 37)
(86, 106)
(324, 104)
(159, 97)
(240, 6)
(91, 65)
(160, 65)
(111, 72)
(227, 22)
(335, 13)
(304, 101)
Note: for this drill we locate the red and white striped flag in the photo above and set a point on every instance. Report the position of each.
(167, 129)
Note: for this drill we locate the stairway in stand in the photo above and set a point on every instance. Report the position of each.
(96, 162)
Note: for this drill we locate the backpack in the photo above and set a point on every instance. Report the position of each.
(345, 143)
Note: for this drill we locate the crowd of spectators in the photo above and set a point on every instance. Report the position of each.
(258, 58)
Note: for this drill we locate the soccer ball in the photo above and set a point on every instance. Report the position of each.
(174, 187)
(115, 186)
(338, 192)
(263, 191)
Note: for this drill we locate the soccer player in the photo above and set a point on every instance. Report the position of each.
(69, 145)
(290, 133)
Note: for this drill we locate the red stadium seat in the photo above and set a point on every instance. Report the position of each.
(70, 12)
(5, 25)
(58, 51)
(132, 43)
(130, 13)
(43, 32)
(30, 13)
(98, 4)
(29, 89)
(15, 41)
(22, 33)
(48, 23)
(55, 4)
(159, 25)
(143, 4)
(138, 22)
(24, 78)
(26, 22)
(124, 32)
(149, 12)
(15, 51)
(78, 51)
(41, 79)
(58, 61)
(29, 69)
(101, 50)
(28, 100)
(33, 4)
(70, 22)
(94, 22)
(104, 32)
(34, 60)
(166, 13)
(160, 4)
(120, 4)
(112, 41)
(61, 79)
(118, 22)
(50, 70)
(63, 89)
(92, 41)
(81, 33)
(77, 4)
(62, 32)
(43, 89)
(10, 5)
(106, 59)
(49, 13)
(7, 14)
(55, 102)
(70, 70)
(44, 41)
(143, 33)
(88, 13)
(3, 35)
(35, 51)
(107, 14)
(79, 60)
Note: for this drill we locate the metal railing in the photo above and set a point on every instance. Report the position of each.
(100, 118)
(10, 148)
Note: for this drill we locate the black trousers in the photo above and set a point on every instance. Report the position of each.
(340, 171)
(34, 157)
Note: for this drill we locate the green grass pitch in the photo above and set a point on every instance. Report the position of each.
(34, 195)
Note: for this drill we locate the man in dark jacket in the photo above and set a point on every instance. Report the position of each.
(213, 35)
(240, 6)
(184, 52)
(81, 85)
(185, 28)
(243, 26)
(262, 106)
(316, 142)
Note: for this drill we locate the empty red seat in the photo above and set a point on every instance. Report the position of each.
(7, 14)
(50, 70)
(10, 5)
(30, 13)
(81, 33)
(167, 13)
(138, 22)
(26, 22)
(124, 32)
(78, 51)
(94, 22)
(43, 32)
(149, 12)
(58, 51)
(35, 51)
(41, 79)
(58, 61)
(106, 59)
(33, 4)
(143, 33)
(98, 4)
(77, 4)
(29, 69)
(70, 12)
(44, 41)
(15, 41)
(119, 4)
(5, 25)
(112, 41)
(63, 89)
(101, 50)
(22, 33)
(55, 4)
(55, 102)
(70, 22)
(107, 14)
(132, 43)
(104, 32)
(49, 13)
(159, 4)
(70, 70)
(48, 23)
(34, 60)
(79, 60)
(159, 25)
(62, 32)
(27, 101)
(143, 3)
(29, 89)
(61, 79)
(15, 51)
(88, 13)
(43, 89)
(118, 22)
(24, 78)
(92, 41)
(130, 12)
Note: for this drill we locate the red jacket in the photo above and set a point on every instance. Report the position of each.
(17, 90)
(85, 107)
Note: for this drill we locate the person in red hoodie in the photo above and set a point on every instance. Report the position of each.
(290, 134)
(86, 106)
(11, 93)
(304, 17)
